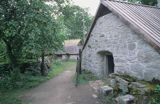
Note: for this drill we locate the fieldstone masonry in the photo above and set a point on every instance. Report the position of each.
(105, 90)
(126, 99)
(123, 84)
(138, 88)
(132, 54)
(158, 3)
(125, 90)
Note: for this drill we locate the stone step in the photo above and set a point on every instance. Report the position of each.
(125, 99)
(105, 90)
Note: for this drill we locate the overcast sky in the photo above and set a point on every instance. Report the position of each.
(91, 4)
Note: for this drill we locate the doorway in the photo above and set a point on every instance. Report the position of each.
(110, 64)
(107, 63)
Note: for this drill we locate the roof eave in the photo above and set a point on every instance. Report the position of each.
(105, 9)
(135, 28)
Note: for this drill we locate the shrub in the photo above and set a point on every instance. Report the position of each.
(157, 89)
(155, 99)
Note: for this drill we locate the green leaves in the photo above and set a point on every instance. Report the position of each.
(28, 27)
(149, 2)
(157, 89)
(146, 2)
(77, 21)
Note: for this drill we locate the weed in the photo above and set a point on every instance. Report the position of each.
(106, 99)
(155, 99)
(85, 77)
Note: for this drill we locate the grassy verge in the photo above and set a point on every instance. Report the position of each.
(85, 77)
(106, 99)
(30, 81)
(58, 67)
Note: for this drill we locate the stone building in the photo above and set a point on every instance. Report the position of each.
(158, 3)
(124, 38)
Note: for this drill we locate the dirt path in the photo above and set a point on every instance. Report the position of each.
(61, 90)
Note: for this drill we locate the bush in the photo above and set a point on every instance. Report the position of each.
(157, 89)
(29, 78)
(17, 78)
(12, 81)
(4, 69)
(9, 98)
(155, 99)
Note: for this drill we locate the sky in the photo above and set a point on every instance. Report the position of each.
(92, 5)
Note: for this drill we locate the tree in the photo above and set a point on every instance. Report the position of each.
(27, 26)
(77, 20)
(146, 2)
(149, 2)
(46, 36)
(13, 27)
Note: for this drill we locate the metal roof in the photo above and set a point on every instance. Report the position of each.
(143, 19)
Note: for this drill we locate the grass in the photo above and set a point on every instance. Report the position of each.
(30, 81)
(9, 98)
(58, 67)
(85, 77)
(106, 99)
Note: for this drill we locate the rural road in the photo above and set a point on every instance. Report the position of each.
(61, 90)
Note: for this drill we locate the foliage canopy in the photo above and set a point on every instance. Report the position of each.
(28, 26)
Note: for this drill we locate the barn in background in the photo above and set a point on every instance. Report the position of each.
(70, 49)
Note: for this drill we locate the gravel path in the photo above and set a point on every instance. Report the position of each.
(61, 90)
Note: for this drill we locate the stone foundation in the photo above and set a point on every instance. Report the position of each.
(127, 90)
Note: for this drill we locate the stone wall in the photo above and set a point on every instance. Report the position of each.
(132, 55)
(158, 3)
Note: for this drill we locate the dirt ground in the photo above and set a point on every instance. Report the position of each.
(61, 90)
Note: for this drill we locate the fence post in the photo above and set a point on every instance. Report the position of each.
(78, 67)
(80, 60)
(77, 72)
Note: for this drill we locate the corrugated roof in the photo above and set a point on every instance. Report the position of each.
(144, 19)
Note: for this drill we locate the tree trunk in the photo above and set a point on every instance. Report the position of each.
(43, 66)
(11, 56)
